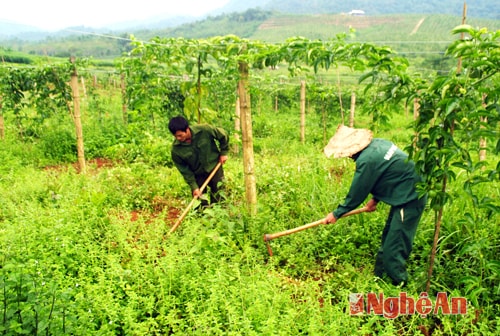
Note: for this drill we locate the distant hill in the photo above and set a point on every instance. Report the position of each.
(407, 33)
(16, 30)
(476, 8)
(13, 30)
(313, 19)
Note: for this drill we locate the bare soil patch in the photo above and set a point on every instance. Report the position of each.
(90, 165)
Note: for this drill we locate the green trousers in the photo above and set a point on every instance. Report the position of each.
(216, 184)
(397, 240)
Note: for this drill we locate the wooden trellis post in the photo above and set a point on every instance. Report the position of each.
(353, 108)
(77, 118)
(247, 139)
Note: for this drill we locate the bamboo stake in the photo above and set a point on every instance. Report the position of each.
(302, 111)
(247, 139)
(77, 118)
(353, 108)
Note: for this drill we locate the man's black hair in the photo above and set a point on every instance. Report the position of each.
(178, 123)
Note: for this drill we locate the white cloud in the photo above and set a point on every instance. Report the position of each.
(58, 14)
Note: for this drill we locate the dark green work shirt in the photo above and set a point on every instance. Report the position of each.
(202, 154)
(383, 170)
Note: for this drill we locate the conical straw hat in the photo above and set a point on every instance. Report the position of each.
(347, 141)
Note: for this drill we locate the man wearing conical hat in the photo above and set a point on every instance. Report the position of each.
(385, 172)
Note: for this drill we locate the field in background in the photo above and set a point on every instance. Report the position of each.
(397, 31)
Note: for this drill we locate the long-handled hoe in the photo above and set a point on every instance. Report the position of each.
(203, 186)
(270, 236)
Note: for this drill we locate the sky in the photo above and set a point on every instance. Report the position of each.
(58, 14)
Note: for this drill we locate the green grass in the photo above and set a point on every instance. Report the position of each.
(91, 254)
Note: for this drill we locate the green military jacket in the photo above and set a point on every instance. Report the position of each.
(383, 170)
(202, 154)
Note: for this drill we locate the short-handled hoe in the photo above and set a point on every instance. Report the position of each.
(270, 236)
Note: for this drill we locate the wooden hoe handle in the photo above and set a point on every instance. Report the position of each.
(203, 186)
(270, 236)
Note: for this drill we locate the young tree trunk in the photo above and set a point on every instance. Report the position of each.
(340, 96)
(77, 119)
(124, 102)
(437, 228)
(439, 215)
(437, 222)
(482, 140)
(416, 108)
(302, 111)
(416, 113)
(247, 139)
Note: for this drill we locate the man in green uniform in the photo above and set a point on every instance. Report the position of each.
(385, 172)
(196, 151)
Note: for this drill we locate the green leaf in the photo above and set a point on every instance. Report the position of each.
(465, 28)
